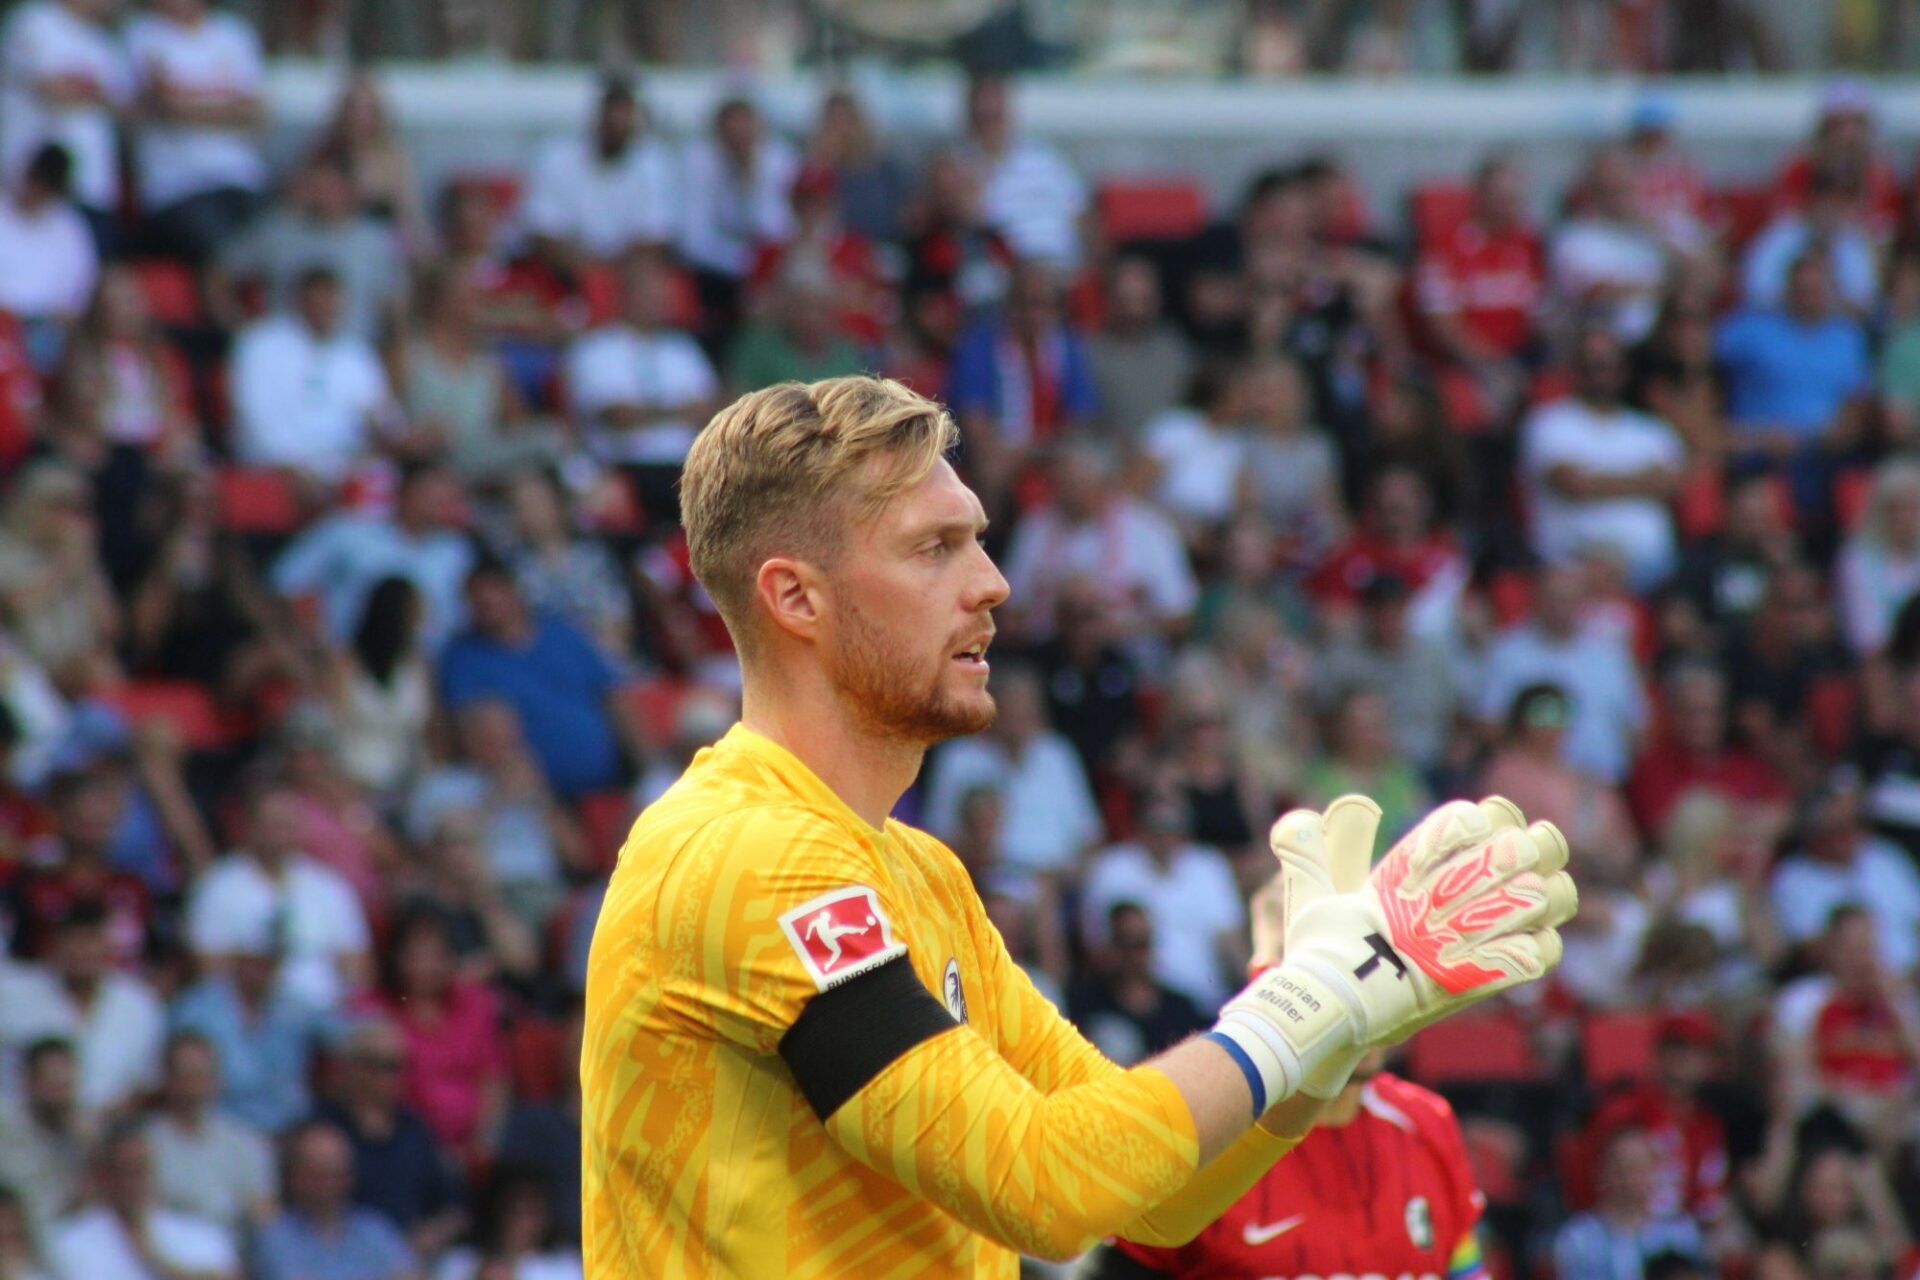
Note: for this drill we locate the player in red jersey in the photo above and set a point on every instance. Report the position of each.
(1379, 1190)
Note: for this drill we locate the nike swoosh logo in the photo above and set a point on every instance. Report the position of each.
(1256, 1234)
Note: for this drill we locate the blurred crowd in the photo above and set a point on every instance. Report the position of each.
(345, 623)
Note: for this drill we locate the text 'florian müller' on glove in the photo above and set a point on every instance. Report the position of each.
(1466, 905)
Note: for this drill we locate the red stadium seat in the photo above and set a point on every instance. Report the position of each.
(1437, 210)
(500, 186)
(172, 293)
(257, 500)
(1701, 505)
(605, 817)
(1851, 489)
(1478, 1048)
(657, 703)
(1833, 709)
(533, 1051)
(1740, 212)
(187, 706)
(1617, 1048)
(1150, 208)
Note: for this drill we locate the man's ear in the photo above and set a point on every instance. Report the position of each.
(790, 591)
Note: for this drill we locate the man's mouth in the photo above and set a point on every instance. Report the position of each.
(975, 654)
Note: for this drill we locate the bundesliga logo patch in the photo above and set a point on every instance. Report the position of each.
(841, 934)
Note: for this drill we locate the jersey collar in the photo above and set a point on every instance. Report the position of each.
(795, 776)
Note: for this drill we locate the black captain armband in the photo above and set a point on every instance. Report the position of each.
(850, 1033)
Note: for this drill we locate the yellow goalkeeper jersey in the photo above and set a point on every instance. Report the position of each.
(745, 893)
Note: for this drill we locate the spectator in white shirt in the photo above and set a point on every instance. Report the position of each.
(272, 885)
(1600, 475)
(1030, 194)
(123, 1234)
(1831, 221)
(739, 184)
(198, 161)
(213, 1165)
(1878, 569)
(1189, 894)
(594, 197)
(62, 79)
(640, 390)
(308, 392)
(1593, 665)
(1606, 259)
(114, 1021)
(1840, 863)
(1049, 818)
(48, 264)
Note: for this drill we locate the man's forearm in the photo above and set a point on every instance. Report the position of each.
(1224, 1179)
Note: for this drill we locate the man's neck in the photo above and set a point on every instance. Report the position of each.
(190, 1116)
(869, 771)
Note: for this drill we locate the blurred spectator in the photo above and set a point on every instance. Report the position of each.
(54, 594)
(798, 340)
(112, 1019)
(1051, 820)
(1263, 673)
(1604, 260)
(20, 1257)
(455, 389)
(1796, 380)
(870, 186)
(1593, 667)
(90, 799)
(43, 1131)
(147, 387)
(1842, 1217)
(309, 393)
(1688, 1139)
(592, 197)
(1138, 360)
(1839, 863)
(345, 556)
(382, 691)
(1724, 575)
(491, 938)
(564, 572)
(209, 1164)
(1788, 652)
(1019, 381)
(1398, 536)
(1714, 860)
(201, 173)
(1413, 673)
(838, 262)
(1028, 191)
(1599, 474)
(321, 1234)
(543, 1135)
(1124, 1009)
(318, 226)
(517, 1234)
(565, 693)
(1092, 686)
(123, 1233)
(1292, 474)
(1826, 228)
(339, 826)
(1878, 567)
(1479, 290)
(956, 260)
(639, 389)
(1093, 530)
(1890, 770)
(1229, 800)
(456, 1077)
(48, 264)
(1843, 142)
(1669, 190)
(1361, 756)
(1529, 767)
(271, 885)
(1195, 456)
(263, 1035)
(736, 187)
(1865, 1046)
(362, 139)
(399, 1171)
(1626, 1228)
(1187, 890)
(1693, 751)
(65, 81)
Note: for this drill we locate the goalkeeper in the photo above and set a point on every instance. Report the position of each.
(807, 1053)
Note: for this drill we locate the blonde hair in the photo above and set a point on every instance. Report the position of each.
(780, 470)
(1899, 477)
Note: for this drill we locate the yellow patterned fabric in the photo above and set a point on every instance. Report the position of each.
(701, 1156)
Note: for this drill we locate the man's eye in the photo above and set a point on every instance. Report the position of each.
(935, 550)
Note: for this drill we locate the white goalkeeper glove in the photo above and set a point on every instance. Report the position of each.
(1464, 906)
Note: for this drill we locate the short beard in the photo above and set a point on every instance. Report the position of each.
(886, 692)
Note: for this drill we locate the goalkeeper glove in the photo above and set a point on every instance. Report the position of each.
(1464, 906)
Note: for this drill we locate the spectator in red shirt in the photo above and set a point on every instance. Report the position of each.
(1396, 535)
(1689, 1139)
(1478, 291)
(1671, 193)
(88, 805)
(1865, 1041)
(1693, 752)
(1843, 139)
(456, 1052)
(823, 246)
